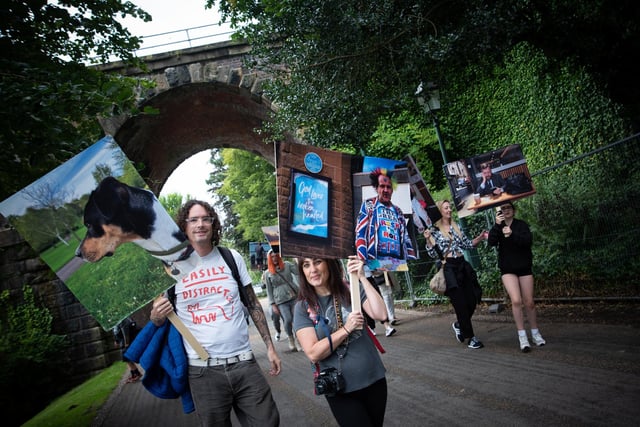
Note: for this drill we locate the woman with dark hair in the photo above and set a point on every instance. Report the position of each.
(462, 283)
(513, 238)
(349, 371)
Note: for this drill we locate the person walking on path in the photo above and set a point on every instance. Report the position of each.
(275, 317)
(513, 238)
(209, 302)
(282, 291)
(463, 289)
(124, 333)
(260, 256)
(348, 369)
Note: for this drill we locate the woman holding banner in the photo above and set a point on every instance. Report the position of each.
(463, 290)
(348, 369)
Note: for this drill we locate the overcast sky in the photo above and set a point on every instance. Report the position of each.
(178, 17)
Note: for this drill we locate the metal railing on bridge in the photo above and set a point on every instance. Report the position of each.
(185, 38)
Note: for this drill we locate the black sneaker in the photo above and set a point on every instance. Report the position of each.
(457, 331)
(474, 343)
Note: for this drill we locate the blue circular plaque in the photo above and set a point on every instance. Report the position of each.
(313, 162)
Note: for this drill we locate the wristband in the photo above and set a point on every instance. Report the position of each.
(346, 330)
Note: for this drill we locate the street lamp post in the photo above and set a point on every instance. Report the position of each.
(429, 98)
(431, 105)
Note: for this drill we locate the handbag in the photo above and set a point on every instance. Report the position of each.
(294, 291)
(438, 284)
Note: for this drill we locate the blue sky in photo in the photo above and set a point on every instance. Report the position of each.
(73, 177)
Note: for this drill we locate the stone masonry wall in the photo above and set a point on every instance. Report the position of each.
(91, 347)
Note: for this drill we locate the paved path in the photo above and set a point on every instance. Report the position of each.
(587, 375)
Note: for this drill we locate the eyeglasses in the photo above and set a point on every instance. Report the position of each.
(505, 207)
(204, 219)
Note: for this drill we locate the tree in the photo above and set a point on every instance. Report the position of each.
(341, 66)
(245, 185)
(172, 202)
(51, 99)
(554, 109)
(50, 199)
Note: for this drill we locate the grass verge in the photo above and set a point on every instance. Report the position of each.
(80, 406)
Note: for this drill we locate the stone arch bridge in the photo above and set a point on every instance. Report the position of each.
(206, 99)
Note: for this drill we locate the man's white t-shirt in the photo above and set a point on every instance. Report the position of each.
(208, 302)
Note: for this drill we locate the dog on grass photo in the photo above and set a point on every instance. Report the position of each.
(117, 213)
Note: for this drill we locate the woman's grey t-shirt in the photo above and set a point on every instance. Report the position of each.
(361, 364)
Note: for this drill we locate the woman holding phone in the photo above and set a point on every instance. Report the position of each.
(513, 238)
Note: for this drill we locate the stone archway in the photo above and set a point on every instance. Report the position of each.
(192, 118)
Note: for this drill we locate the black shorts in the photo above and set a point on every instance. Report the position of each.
(522, 271)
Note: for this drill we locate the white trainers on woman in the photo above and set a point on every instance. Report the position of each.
(537, 338)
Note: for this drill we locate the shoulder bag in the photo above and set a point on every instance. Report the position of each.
(438, 284)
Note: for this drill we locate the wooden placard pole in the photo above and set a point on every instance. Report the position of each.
(355, 293)
(187, 335)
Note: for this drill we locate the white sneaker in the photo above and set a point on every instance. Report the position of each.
(524, 344)
(277, 336)
(390, 331)
(537, 338)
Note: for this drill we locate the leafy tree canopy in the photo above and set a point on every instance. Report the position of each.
(347, 64)
(51, 99)
(245, 186)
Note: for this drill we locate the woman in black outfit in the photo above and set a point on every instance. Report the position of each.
(513, 238)
(463, 289)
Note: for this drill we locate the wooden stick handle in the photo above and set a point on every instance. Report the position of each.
(187, 335)
(355, 293)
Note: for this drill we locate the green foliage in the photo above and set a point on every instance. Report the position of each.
(585, 234)
(173, 202)
(33, 359)
(350, 64)
(397, 137)
(248, 183)
(51, 99)
(554, 110)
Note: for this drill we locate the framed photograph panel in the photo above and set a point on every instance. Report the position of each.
(309, 205)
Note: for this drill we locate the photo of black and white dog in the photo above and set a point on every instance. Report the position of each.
(117, 213)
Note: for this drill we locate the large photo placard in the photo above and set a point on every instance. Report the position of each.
(105, 235)
(489, 179)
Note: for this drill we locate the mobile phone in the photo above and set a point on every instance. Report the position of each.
(498, 212)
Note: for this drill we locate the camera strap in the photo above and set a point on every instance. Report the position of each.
(336, 306)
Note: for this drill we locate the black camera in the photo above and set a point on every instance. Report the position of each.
(329, 381)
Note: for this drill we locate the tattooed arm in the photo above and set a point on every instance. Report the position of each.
(260, 320)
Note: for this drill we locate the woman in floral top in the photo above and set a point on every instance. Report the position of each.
(463, 289)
